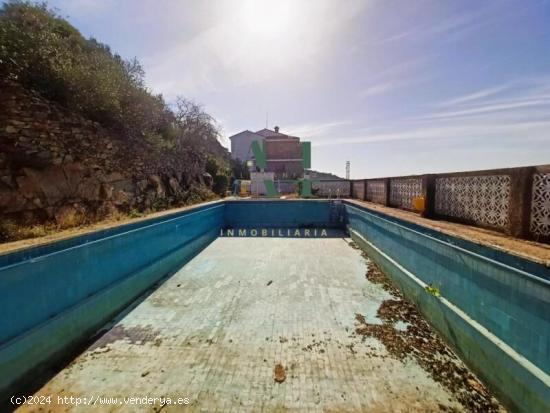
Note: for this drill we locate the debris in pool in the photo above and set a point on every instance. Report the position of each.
(393, 311)
(144, 374)
(416, 339)
(362, 329)
(269, 283)
(137, 335)
(279, 374)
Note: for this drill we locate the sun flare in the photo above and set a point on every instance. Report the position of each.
(266, 18)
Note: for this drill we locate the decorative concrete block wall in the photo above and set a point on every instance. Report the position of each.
(333, 189)
(359, 189)
(404, 190)
(484, 200)
(540, 205)
(515, 201)
(376, 191)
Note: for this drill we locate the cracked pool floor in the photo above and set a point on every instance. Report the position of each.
(215, 330)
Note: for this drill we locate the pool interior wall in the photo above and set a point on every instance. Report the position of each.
(494, 307)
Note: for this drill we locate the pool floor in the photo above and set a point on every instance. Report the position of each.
(214, 332)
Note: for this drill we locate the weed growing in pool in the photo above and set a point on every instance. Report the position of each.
(433, 290)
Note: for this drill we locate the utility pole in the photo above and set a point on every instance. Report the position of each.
(347, 169)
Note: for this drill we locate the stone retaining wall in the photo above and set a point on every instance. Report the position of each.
(57, 166)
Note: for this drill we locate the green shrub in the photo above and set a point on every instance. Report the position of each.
(220, 184)
(42, 51)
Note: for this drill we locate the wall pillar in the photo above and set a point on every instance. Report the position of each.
(519, 213)
(387, 184)
(428, 192)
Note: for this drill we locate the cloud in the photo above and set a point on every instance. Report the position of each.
(477, 95)
(311, 130)
(527, 95)
(379, 89)
(397, 76)
(520, 130)
(543, 100)
(451, 25)
(517, 110)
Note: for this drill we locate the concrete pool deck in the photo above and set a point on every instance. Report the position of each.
(216, 329)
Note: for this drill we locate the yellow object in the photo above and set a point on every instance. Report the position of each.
(419, 203)
(244, 189)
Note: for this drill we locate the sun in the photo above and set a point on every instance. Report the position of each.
(266, 18)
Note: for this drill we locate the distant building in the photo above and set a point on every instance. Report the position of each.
(283, 152)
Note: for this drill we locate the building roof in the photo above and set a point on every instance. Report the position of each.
(271, 134)
(245, 132)
(268, 133)
(265, 134)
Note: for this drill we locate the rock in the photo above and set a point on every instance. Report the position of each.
(46, 155)
(17, 123)
(156, 182)
(11, 129)
(114, 177)
(89, 189)
(29, 133)
(11, 201)
(121, 198)
(279, 374)
(174, 185)
(37, 202)
(51, 183)
(106, 191)
(141, 185)
(7, 181)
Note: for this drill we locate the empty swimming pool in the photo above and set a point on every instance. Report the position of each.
(242, 288)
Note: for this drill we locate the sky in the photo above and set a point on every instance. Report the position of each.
(395, 87)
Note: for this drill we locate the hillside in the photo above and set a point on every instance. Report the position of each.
(323, 175)
(81, 136)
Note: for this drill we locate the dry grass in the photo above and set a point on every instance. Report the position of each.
(11, 231)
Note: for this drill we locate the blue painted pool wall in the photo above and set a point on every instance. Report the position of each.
(58, 294)
(281, 214)
(61, 293)
(510, 305)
